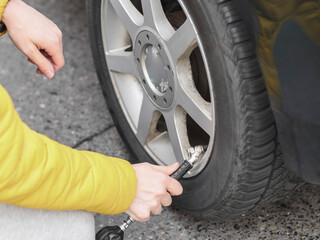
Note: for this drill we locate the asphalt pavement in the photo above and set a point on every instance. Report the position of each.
(70, 109)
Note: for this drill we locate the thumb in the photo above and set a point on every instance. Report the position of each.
(44, 65)
(145, 215)
(167, 169)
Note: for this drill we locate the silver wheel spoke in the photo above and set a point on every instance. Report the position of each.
(131, 93)
(157, 118)
(163, 149)
(198, 109)
(155, 18)
(146, 118)
(176, 125)
(129, 15)
(121, 61)
(182, 41)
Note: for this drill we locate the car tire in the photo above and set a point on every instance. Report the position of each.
(244, 169)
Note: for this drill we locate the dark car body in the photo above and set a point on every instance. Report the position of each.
(287, 38)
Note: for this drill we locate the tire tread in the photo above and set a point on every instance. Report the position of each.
(263, 176)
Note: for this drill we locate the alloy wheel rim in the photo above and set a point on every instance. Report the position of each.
(156, 103)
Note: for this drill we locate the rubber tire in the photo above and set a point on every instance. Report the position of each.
(245, 170)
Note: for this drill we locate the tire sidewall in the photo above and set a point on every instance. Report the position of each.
(217, 181)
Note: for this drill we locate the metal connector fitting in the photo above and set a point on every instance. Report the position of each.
(195, 152)
(126, 224)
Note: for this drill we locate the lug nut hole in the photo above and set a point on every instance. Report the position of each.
(148, 36)
(159, 46)
(139, 42)
(138, 60)
(165, 101)
(154, 97)
(170, 88)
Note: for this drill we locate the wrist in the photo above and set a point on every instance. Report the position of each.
(6, 11)
(3, 28)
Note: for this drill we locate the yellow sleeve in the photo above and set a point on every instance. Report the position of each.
(37, 172)
(3, 4)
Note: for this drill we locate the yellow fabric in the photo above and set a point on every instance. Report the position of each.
(37, 172)
(3, 4)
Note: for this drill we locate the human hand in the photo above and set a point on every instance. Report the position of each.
(154, 187)
(35, 36)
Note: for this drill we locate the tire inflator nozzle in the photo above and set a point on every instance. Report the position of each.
(117, 232)
(194, 154)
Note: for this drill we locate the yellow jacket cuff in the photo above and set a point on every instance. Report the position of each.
(3, 4)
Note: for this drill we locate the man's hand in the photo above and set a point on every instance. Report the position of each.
(35, 36)
(154, 190)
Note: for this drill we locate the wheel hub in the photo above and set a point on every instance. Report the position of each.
(157, 77)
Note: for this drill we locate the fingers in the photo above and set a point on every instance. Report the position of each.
(55, 52)
(141, 216)
(171, 185)
(154, 187)
(36, 36)
(56, 65)
(174, 187)
(45, 66)
(166, 169)
(157, 210)
(139, 213)
(166, 200)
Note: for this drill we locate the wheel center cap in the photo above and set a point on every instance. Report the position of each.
(154, 68)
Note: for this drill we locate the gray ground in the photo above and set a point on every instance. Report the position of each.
(71, 109)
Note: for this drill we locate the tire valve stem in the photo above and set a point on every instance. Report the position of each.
(194, 154)
(117, 232)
